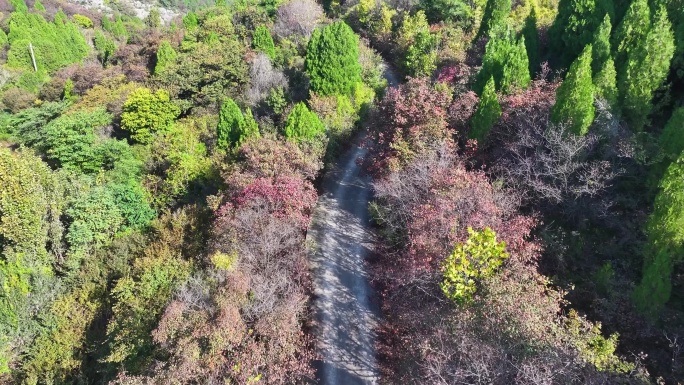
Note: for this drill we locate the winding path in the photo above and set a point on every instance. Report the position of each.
(346, 311)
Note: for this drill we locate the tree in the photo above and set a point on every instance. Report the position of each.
(421, 57)
(153, 19)
(605, 84)
(631, 33)
(575, 96)
(332, 59)
(262, 41)
(145, 112)
(450, 11)
(672, 137)
(487, 113)
(574, 28)
(531, 35)
(230, 125)
(600, 46)
(506, 61)
(494, 19)
(303, 124)
(647, 67)
(251, 128)
(166, 55)
(665, 231)
(105, 46)
(476, 259)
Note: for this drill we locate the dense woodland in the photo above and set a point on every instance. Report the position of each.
(157, 181)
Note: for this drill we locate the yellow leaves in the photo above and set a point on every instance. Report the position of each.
(223, 261)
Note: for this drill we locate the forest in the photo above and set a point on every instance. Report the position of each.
(158, 178)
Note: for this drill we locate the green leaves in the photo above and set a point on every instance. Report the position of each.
(487, 114)
(303, 124)
(262, 41)
(165, 55)
(575, 96)
(233, 128)
(332, 59)
(145, 113)
(505, 60)
(477, 259)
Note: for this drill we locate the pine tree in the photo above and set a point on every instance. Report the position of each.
(262, 41)
(487, 113)
(605, 84)
(647, 65)
(494, 19)
(516, 68)
(230, 125)
(574, 28)
(630, 33)
(303, 124)
(332, 59)
(531, 35)
(165, 55)
(575, 96)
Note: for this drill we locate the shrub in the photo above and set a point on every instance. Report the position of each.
(83, 21)
(166, 55)
(476, 259)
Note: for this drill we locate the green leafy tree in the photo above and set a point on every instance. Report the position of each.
(146, 112)
(153, 19)
(478, 258)
(104, 46)
(575, 96)
(665, 232)
(574, 28)
(230, 125)
(506, 61)
(190, 21)
(487, 113)
(421, 57)
(303, 124)
(250, 129)
(450, 11)
(495, 18)
(166, 55)
(631, 32)
(263, 41)
(648, 65)
(531, 35)
(332, 59)
(672, 137)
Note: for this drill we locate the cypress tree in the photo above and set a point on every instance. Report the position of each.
(605, 84)
(230, 125)
(303, 124)
(665, 232)
(105, 46)
(672, 137)
(647, 65)
(250, 128)
(262, 41)
(575, 96)
(487, 113)
(153, 19)
(119, 28)
(531, 35)
(38, 6)
(494, 18)
(631, 32)
(165, 55)
(601, 50)
(574, 28)
(506, 61)
(332, 59)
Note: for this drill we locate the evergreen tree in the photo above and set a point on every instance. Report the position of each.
(647, 65)
(332, 59)
(574, 28)
(531, 35)
(421, 56)
(601, 50)
(190, 21)
(605, 84)
(262, 41)
(575, 96)
(630, 33)
(665, 232)
(303, 124)
(120, 31)
(153, 19)
(165, 55)
(250, 129)
(38, 6)
(104, 46)
(506, 61)
(230, 125)
(672, 137)
(487, 113)
(494, 19)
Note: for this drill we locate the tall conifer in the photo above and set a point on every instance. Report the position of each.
(575, 96)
